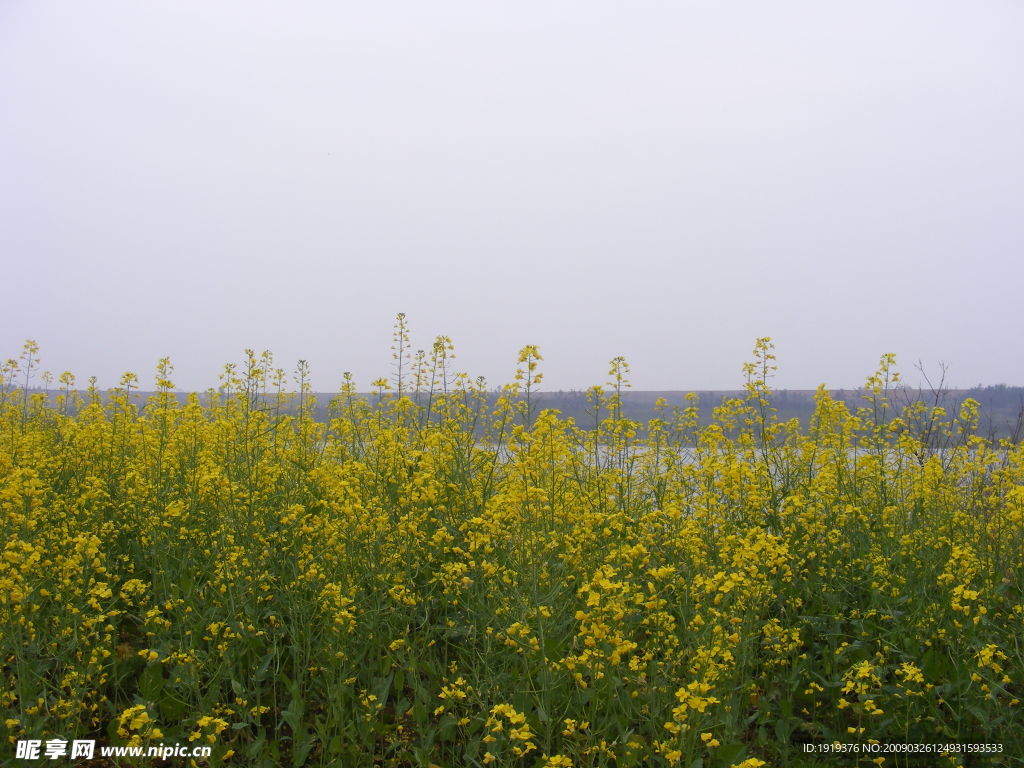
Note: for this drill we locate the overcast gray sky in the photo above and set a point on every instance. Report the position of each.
(661, 180)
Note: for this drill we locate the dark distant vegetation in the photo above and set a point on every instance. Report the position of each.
(1001, 406)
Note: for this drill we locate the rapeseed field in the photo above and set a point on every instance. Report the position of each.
(439, 575)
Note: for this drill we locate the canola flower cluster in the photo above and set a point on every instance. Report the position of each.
(439, 575)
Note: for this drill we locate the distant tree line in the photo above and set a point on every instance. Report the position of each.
(1001, 406)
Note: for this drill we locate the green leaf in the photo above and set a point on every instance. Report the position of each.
(151, 682)
(727, 754)
(172, 709)
(381, 686)
(782, 729)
